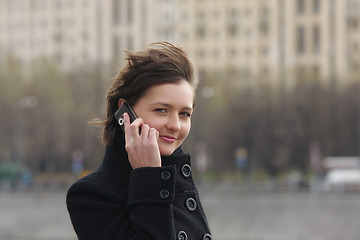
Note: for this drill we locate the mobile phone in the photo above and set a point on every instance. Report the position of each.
(119, 115)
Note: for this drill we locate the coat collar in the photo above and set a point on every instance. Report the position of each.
(116, 164)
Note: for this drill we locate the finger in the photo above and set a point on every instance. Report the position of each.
(145, 131)
(126, 122)
(153, 134)
(128, 138)
(135, 126)
(132, 128)
(138, 122)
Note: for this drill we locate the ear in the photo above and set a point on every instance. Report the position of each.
(120, 102)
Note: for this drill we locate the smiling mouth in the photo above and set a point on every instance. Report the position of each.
(168, 139)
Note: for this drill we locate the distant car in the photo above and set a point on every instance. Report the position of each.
(297, 181)
(342, 179)
(10, 173)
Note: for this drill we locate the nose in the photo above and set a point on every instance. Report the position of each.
(174, 123)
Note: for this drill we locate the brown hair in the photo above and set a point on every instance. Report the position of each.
(159, 63)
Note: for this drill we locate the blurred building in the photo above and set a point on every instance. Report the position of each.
(75, 34)
(274, 39)
(67, 32)
(278, 40)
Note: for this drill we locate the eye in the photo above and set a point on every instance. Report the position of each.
(160, 110)
(185, 114)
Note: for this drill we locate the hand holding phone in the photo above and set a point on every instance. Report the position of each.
(142, 147)
(119, 115)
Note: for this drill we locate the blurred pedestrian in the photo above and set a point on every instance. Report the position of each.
(144, 188)
(241, 158)
(77, 162)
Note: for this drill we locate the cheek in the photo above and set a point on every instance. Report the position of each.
(185, 129)
(154, 122)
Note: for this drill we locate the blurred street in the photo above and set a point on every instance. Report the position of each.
(276, 128)
(236, 214)
(233, 214)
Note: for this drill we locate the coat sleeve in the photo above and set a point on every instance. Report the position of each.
(143, 211)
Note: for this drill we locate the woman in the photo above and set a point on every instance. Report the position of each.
(144, 188)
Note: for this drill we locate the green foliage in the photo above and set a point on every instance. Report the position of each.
(9, 171)
(44, 135)
(275, 125)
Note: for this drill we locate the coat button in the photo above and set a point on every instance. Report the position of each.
(207, 237)
(182, 235)
(164, 194)
(186, 170)
(191, 204)
(165, 175)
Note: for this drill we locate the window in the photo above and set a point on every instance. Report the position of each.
(116, 47)
(130, 10)
(264, 13)
(247, 12)
(315, 72)
(300, 40)
(116, 12)
(58, 4)
(232, 52)
(263, 22)
(231, 29)
(232, 15)
(184, 35)
(248, 52)
(200, 32)
(216, 34)
(316, 39)
(58, 57)
(264, 71)
(355, 46)
(300, 8)
(247, 32)
(130, 42)
(353, 23)
(216, 14)
(200, 26)
(200, 54)
(166, 33)
(200, 17)
(263, 28)
(316, 5)
(216, 54)
(264, 51)
(300, 73)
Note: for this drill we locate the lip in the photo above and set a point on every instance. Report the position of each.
(168, 139)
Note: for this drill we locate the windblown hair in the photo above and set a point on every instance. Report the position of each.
(159, 63)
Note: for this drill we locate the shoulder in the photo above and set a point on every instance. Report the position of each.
(95, 204)
(96, 185)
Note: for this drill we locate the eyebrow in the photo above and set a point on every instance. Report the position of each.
(169, 105)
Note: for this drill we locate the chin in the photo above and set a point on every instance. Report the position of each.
(166, 151)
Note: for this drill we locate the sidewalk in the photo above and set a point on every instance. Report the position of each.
(233, 213)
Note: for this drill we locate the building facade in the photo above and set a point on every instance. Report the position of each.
(275, 40)
(66, 32)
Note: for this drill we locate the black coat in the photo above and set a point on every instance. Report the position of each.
(118, 203)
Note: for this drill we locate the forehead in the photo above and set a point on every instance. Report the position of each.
(180, 92)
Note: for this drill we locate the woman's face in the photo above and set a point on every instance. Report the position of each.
(168, 109)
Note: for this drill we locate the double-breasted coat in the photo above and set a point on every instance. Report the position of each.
(118, 203)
